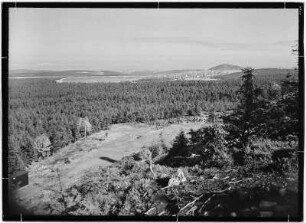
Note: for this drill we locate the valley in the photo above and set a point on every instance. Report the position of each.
(220, 72)
(223, 71)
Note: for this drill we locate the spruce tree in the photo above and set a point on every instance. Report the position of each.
(179, 147)
(243, 123)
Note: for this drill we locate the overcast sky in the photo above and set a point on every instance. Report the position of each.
(150, 39)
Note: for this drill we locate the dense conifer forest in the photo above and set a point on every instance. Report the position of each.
(243, 165)
(42, 106)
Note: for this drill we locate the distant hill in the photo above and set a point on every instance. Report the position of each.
(226, 68)
(179, 71)
(141, 73)
(271, 73)
(111, 73)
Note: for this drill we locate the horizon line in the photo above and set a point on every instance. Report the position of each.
(141, 70)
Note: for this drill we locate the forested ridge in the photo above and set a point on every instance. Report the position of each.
(42, 106)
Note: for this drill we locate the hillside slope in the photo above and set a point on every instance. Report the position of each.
(69, 165)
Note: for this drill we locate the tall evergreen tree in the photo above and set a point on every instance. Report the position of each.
(243, 123)
(179, 147)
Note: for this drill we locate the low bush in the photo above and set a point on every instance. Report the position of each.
(284, 159)
(134, 191)
(126, 164)
(206, 147)
(144, 154)
(277, 155)
(158, 151)
(239, 157)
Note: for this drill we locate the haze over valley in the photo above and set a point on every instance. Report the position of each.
(222, 71)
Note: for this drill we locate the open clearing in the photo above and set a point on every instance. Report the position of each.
(73, 161)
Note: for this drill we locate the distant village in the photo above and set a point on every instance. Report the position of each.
(195, 74)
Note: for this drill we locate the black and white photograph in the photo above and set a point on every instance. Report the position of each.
(153, 111)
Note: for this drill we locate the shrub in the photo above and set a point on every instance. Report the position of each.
(211, 145)
(238, 157)
(177, 152)
(268, 155)
(157, 151)
(179, 147)
(207, 147)
(126, 164)
(144, 154)
(136, 202)
(283, 159)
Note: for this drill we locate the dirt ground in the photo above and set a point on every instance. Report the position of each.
(99, 149)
